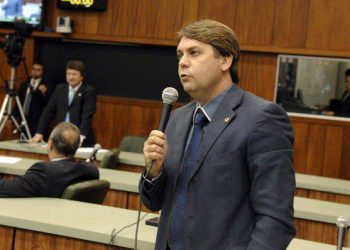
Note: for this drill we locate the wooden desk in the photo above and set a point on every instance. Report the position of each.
(50, 223)
(89, 223)
(127, 160)
(123, 192)
(323, 188)
(315, 219)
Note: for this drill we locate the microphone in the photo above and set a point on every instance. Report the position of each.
(92, 156)
(169, 96)
(342, 223)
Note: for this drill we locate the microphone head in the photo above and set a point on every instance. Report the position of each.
(97, 146)
(169, 95)
(342, 221)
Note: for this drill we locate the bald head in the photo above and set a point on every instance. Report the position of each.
(65, 139)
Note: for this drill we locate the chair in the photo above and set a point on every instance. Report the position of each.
(132, 143)
(110, 159)
(92, 191)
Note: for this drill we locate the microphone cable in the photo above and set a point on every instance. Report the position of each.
(114, 233)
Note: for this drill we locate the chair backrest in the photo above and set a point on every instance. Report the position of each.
(110, 159)
(132, 143)
(92, 191)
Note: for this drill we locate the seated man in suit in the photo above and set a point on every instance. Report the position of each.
(341, 107)
(74, 102)
(51, 178)
(33, 96)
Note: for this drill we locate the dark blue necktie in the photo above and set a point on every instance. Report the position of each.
(177, 239)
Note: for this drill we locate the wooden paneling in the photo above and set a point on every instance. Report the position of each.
(333, 150)
(220, 10)
(257, 74)
(254, 21)
(316, 231)
(325, 196)
(315, 151)
(328, 25)
(301, 135)
(6, 238)
(345, 156)
(140, 18)
(23, 154)
(116, 198)
(117, 117)
(290, 24)
(33, 240)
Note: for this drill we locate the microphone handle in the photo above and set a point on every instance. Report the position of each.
(341, 231)
(164, 116)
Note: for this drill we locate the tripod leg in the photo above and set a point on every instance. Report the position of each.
(3, 107)
(3, 116)
(23, 118)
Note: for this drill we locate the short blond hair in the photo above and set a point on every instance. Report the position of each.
(214, 33)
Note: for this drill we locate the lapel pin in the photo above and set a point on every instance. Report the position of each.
(226, 120)
(79, 94)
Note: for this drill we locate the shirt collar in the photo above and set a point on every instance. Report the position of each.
(60, 159)
(35, 83)
(76, 87)
(210, 108)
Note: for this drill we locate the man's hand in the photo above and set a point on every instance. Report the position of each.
(43, 89)
(37, 138)
(155, 150)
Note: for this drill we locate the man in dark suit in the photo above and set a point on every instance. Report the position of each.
(50, 179)
(33, 96)
(341, 107)
(75, 103)
(222, 173)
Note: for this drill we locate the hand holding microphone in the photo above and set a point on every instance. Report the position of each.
(156, 147)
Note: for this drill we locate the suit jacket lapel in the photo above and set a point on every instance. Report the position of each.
(64, 96)
(223, 116)
(77, 94)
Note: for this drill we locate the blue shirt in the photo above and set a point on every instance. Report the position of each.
(208, 110)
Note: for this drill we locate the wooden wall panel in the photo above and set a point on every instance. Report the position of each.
(345, 156)
(220, 10)
(315, 151)
(290, 23)
(6, 238)
(26, 239)
(254, 21)
(332, 151)
(116, 198)
(328, 25)
(117, 117)
(301, 134)
(316, 231)
(257, 74)
(140, 18)
(104, 124)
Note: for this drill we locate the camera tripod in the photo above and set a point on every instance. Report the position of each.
(6, 110)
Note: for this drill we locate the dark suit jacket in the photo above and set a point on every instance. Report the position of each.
(344, 107)
(48, 179)
(240, 195)
(81, 110)
(36, 106)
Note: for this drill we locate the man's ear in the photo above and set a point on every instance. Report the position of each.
(226, 62)
(49, 145)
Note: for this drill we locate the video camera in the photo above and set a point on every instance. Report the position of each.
(13, 44)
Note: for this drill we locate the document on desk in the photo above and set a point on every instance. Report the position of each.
(90, 149)
(9, 160)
